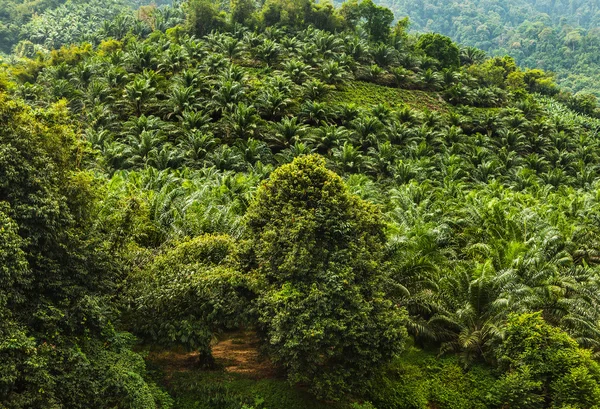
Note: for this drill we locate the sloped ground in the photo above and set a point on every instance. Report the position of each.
(239, 353)
(367, 95)
(236, 353)
(242, 377)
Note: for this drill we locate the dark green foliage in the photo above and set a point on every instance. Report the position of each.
(319, 251)
(203, 16)
(58, 346)
(244, 12)
(377, 20)
(486, 191)
(47, 24)
(210, 390)
(557, 36)
(419, 380)
(188, 294)
(441, 48)
(544, 368)
(366, 14)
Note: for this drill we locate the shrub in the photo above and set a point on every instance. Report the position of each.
(186, 295)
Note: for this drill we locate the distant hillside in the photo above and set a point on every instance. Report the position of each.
(53, 23)
(560, 35)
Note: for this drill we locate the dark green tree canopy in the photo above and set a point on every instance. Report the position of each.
(320, 250)
(545, 367)
(441, 48)
(204, 16)
(58, 345)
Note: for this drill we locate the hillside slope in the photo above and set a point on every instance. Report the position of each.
(294, 206)
(559, 36)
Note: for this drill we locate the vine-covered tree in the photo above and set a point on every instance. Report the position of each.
(58, 342)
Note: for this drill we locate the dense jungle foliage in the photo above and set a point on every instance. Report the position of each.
(40, 25)
(561, 36)
(397, 224)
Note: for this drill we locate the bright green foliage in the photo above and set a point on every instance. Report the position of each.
(319, 251)
(58, 346)
(441, 48)
(544, 368)
(365, 95)
(189, 293)
(540, 81)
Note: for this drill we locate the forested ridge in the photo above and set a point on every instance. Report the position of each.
(290, 205)
(560, 36)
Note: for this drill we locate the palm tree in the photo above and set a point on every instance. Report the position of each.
(139, 95)
(366, 131)
(226, 95)
(195, 145)
(314, 112)
(168, 157)
(471, 55)
(231, 47)
(430, 80)
(357, 48)
(410, 61)
(286, 133)
(140, 148)
(472, 314)
(402, 76)
(327, 137)
(268, 52)
(242, 121)
(188, 77)
(384, 55)
(294, 151)
(315, 90)
(141, 56)
(382, 159)
(332, 73)
(134, 126)
(225, 157)
(194, 120)
(234, 73)
(173, 60)
(347, 158)
(273, 103)
(327, 44)
(181, 99)
(297, 71)
(254, 151)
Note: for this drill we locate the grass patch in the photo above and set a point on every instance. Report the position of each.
(244, 380)
(415, 380)
(197, 389)
(366, 95)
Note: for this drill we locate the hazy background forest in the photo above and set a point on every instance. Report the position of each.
(562, 36)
